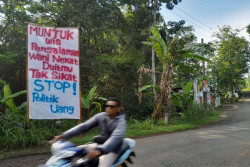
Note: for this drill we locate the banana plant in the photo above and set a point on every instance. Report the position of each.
(177, 98)
(8, 98)
(87, 100)
(168, 53)
(2, 83)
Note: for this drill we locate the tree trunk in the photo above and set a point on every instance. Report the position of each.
(165, 94)
(231, 78)
(153, 54)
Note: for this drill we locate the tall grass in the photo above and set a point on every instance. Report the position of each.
(14, 132)
(196, 112)
(150, 126)
(147, 124)
(246, 89)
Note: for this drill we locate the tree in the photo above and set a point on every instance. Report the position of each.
(154, 8)
(168, 54)
(231, 61)
(248, 29)
(170, 5)
(13, 14)
(110, 32)
(189, 68)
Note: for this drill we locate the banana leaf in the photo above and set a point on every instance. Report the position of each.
(23, 92)
(91, 93)
(176, 100)
(195, 56)
(85, 103)
(188, 87)
(10, 102)
(22, 106)
(99, 106)
(148, 43)
(2, 82)
(157, 88)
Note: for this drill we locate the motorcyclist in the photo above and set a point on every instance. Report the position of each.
(112, 125)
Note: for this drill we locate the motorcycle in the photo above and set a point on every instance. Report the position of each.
(67, 154)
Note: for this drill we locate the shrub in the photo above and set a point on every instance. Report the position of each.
(195, 112)
(14, 132)
(147, 124)
(235, 99)
(139, 111)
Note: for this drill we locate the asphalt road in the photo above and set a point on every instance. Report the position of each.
(225, 143)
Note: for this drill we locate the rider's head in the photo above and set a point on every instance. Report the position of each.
(112, 107)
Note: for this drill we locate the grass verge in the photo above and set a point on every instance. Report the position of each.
(176, 125)
(135, 129)
(246, 89)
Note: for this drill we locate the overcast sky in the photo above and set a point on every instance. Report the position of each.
(206, 15)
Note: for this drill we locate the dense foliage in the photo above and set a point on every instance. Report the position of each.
(112, 50)
(112, 32)
(111, 36)
(231, 63)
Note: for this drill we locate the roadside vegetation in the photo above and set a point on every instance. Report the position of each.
(16, 139)
(116, 41)
(247, 87)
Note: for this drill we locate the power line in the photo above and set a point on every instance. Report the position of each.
(203, 35)
(194, 18)
(190, 21)
(195, 31)
(167, 18)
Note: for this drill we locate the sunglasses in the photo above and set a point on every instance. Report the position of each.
(111, 106)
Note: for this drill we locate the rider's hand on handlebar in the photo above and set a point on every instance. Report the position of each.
(94, 154)
(56, 138)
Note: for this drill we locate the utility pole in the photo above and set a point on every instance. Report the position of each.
(203, 63)
(204, 75)
(153, 55)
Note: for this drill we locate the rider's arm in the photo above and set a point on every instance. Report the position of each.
(82, 128)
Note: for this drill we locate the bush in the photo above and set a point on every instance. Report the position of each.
(235, 99)
(195, 112)
(14, 132)
(147, 124)
(139, 111)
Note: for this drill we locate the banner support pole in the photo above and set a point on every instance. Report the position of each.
(80, 120)
(27, 85)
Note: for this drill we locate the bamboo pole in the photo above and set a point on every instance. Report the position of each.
(80, 120)
(27, 83)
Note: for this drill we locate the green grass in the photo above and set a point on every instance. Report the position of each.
(149, 127)
(14, 132)
(246, 89)
(134, 129)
